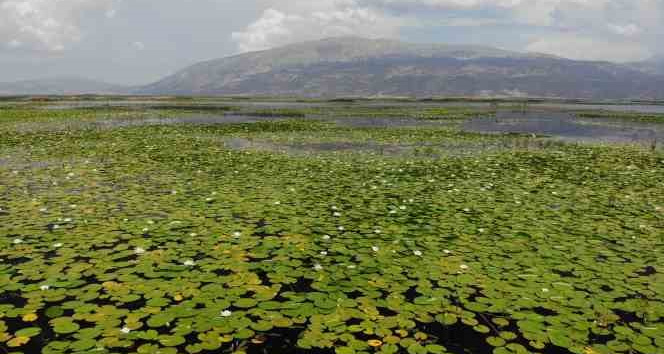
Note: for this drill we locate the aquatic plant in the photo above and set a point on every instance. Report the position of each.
(159, 239)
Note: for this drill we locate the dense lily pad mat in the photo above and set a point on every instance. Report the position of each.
(160, 240)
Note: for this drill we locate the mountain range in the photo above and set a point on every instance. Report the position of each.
(351, 66)
(653, 66)
(61, 86)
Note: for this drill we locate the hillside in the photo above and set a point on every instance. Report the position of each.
(363, 67)
(60, 86)
(653, 66)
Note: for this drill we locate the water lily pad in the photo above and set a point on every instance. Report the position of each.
(171, 341)
(18, 341)
(28, 332)
(64, 325)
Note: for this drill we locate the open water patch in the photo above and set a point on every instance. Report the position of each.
(566, 126)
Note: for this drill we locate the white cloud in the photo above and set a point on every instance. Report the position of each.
(315, 20)
(45, 24)
(565, 27)
(138, 45)
(564, 13)
(14, 43)
(628, 30)
(110, 13)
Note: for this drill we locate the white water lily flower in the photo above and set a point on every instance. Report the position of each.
(393, 211)
(375, 248)
(67, 220)
(277, 203)
(467, 210)
(352, 266)
(139, 250)
(43, 210)
(174, 192)
(44, 287)
(464, 267)
(447, 251)
(57, 245)
(323, 253)
(237, 234)
(125, 330)
(377, 231)
(545, 290)
(341, 228)
(337, 214)
(481, 230)
(318, 267)
(334, 207)
(417, 253)
(226, 313)
(17, 241)
(209, 199)
(403, 207)
(326, 237)
(146, 229)
(189, 263)
(193, 234)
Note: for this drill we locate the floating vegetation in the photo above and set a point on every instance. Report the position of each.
(165, 239)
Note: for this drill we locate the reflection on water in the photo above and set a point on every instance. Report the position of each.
(567, 126)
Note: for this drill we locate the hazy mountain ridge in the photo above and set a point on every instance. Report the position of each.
(334, 50)
(350, 66)
(362, 67)
(653, 66)
(60, 86)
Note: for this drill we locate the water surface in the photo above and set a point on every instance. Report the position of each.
(567, 126)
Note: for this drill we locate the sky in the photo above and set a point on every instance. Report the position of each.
(141, 41)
